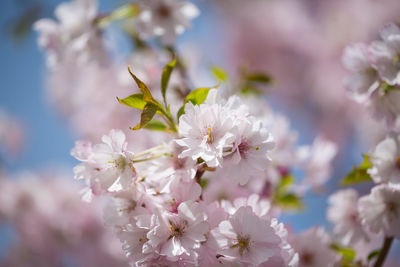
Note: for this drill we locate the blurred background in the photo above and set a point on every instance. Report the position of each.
(298, 43)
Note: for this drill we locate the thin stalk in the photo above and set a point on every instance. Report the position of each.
(169, 120)
(387, 243)
(197, 178)
(182, 71)
(147, 159)
(148, 151)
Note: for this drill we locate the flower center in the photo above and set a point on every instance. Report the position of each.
(130, 207)
(244, 147)
(177, 163)
(164, 11)
(177, 230)
(307, 258)
(243, 243)
(398, 163)
(120, 163)
(391, 206)
(210, 138)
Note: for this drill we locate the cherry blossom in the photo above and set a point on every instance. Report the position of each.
(246, 238)
(380, 210)
(344, 214)
(165, 18)
(249, 156)
(386, 162)
(385, 54)
(181, 233)
(73, 34)
(206, 131)
(313, 248)
(107, 166)
(364, 77)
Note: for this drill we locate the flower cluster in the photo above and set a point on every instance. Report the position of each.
(375, 77)
(361, 222)
(161, 206)
(206, 178)
(51, 226)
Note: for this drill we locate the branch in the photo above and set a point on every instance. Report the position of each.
(384, 251)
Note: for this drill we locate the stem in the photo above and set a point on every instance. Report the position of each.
(169, 120)
(384, 251)
(148, 151)
(182, 71)
(147, 159)
(199, 173)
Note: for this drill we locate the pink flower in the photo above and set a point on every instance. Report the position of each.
(380, 210)
(106, 167)
(386, 161)
(177, 234)
(343, 213)
(313, 248)
(246, 238)
(249, 156)
(364, 77)
(206, 131)
(165, 18)
(385, 54)
(73, 34)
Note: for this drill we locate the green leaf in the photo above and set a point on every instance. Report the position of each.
(156, 125)
(181, 111)
(126, 11)
(284, 198)
(166, 74)
(347, 253)
(259, 77)
(147, 97)
(203, 183)
(250, 90)
(285, 184)
(198, 96)
(148, 113)
(358, 174)
(219, 73)
(289, 201)
(133, 101)
(387, 87)
(373, 254)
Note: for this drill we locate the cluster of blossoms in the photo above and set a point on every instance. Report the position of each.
(361, 223)
(165, 207)
(211, 182)
(51, 226)
(375, 77)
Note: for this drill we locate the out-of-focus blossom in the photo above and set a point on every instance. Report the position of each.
(385, 54)
(74, 34)
(313, 247)
(53, 226)
(386, 162)
(317, 161)
(379, 211)
(364, 76)
(344, 214)
(166, 19)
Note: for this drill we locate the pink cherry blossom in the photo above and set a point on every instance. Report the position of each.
(380, 210)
